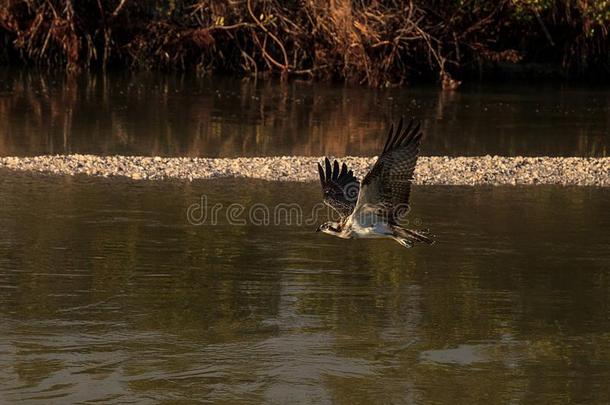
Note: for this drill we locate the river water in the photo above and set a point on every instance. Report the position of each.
(111, 292)
(150, 114)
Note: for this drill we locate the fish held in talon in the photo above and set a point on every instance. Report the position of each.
(375, 207)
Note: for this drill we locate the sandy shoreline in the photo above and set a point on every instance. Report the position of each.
(492, 170)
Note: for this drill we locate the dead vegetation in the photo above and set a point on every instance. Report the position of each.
(379, 43)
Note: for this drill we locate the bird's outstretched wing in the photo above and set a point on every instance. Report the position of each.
(386, 188)
(340, 187)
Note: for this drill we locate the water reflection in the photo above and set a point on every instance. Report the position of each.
(107, 293)
(153, 114)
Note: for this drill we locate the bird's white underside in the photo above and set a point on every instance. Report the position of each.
(365, 226)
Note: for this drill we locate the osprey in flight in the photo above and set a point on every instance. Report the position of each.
(375, 207)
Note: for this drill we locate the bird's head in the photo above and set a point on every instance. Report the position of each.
(330, 227)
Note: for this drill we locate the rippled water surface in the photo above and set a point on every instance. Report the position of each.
(108, 293)
(152, 114)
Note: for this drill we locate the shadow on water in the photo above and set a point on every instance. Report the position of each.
(108, 293)
(153, 114)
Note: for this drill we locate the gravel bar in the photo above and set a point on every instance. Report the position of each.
(493, 170)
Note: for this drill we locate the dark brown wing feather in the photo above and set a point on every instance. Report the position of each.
(340, 187)
(387, 186)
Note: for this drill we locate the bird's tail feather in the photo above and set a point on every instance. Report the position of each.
(409, 237)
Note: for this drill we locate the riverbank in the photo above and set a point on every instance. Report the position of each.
(434, 170)
(379, 44)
